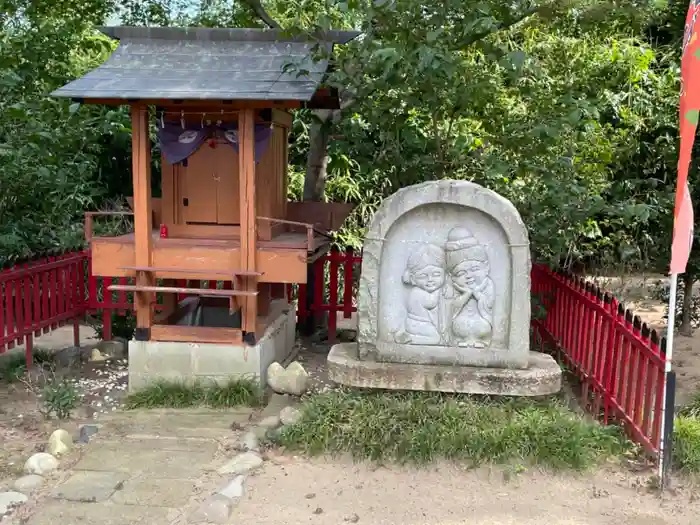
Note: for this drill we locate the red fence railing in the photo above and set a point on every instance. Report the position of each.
(618, 360)
(38, 297)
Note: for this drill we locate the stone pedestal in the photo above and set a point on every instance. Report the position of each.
(541, 377)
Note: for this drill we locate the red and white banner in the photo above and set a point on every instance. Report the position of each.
(689, 109)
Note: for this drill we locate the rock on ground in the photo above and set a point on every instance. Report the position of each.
(249, 441)
(269, 422)
(86, 432)
(292, 380)
(242, 463)
(234, 490)
(216, 509)
(41, 464)
(28, 484)
(8, 500)
(290, 415)
(60, 443)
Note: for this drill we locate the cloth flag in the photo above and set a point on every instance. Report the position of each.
(689, 110)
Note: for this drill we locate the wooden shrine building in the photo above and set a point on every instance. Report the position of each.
(219, 101)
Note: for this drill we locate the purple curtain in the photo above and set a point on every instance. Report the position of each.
(177, 144)
(263, 132)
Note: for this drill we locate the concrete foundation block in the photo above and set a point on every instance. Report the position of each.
(151, 361)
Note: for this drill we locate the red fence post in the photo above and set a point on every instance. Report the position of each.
(333, 295)
(107, 305)
(348, 281)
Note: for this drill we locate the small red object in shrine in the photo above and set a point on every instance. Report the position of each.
(163, 231)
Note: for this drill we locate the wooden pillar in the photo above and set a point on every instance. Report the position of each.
(246, 170)
(143, 217)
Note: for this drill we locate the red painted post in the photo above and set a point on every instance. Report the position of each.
(45, 293)
(9, 316)
(659, 385)
(320, 285)
(107, 305)
(333, 295)
(2, 315)
(348, 282)
(36, 302)
(122, 306)
(53, 294)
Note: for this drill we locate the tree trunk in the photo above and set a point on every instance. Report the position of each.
(686, 327)
(317, 161)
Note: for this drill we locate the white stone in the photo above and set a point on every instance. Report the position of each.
(291, 380)
(28, 484)
(446, 279)
(60, 443)
(241, 464)
(215, 509)
(234, 490)
(248, 441)
(290, 415)
(96, 355)
(41, 464)
(9, 500)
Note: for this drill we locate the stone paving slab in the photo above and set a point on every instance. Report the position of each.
(155, 492)
(137, 458)
(174, 444)
(69, 513)
(204, 425)
(90, 487)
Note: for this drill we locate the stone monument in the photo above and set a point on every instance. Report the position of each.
(444, 299)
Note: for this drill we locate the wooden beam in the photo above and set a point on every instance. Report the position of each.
(199, 105)
(181, 290)
(143, 218)
(249, 234)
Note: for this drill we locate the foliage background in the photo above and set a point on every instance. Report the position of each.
(567, 108)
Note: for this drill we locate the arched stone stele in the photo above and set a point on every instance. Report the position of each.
(445, 279)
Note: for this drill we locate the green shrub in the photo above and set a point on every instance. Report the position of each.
(686, 443)
(60, 398)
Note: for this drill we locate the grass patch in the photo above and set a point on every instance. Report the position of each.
(170, 394)
(14, 366)
(686, 444)
(421, 427)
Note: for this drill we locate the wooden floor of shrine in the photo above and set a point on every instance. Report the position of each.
(281, 259)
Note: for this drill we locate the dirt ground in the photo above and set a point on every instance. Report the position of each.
(23, 427)
(325, 491)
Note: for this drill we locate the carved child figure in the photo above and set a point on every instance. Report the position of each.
(471, 313)
(425, 273)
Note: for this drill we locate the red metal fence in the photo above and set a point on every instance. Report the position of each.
(618, 360)
(40, 296)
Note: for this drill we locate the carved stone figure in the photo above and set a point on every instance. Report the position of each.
(471, 310)
(425, 274)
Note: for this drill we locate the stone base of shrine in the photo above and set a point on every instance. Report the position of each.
(541, 377)
(153, 361)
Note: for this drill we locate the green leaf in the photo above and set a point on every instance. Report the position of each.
(692, 116)
(73, 108)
